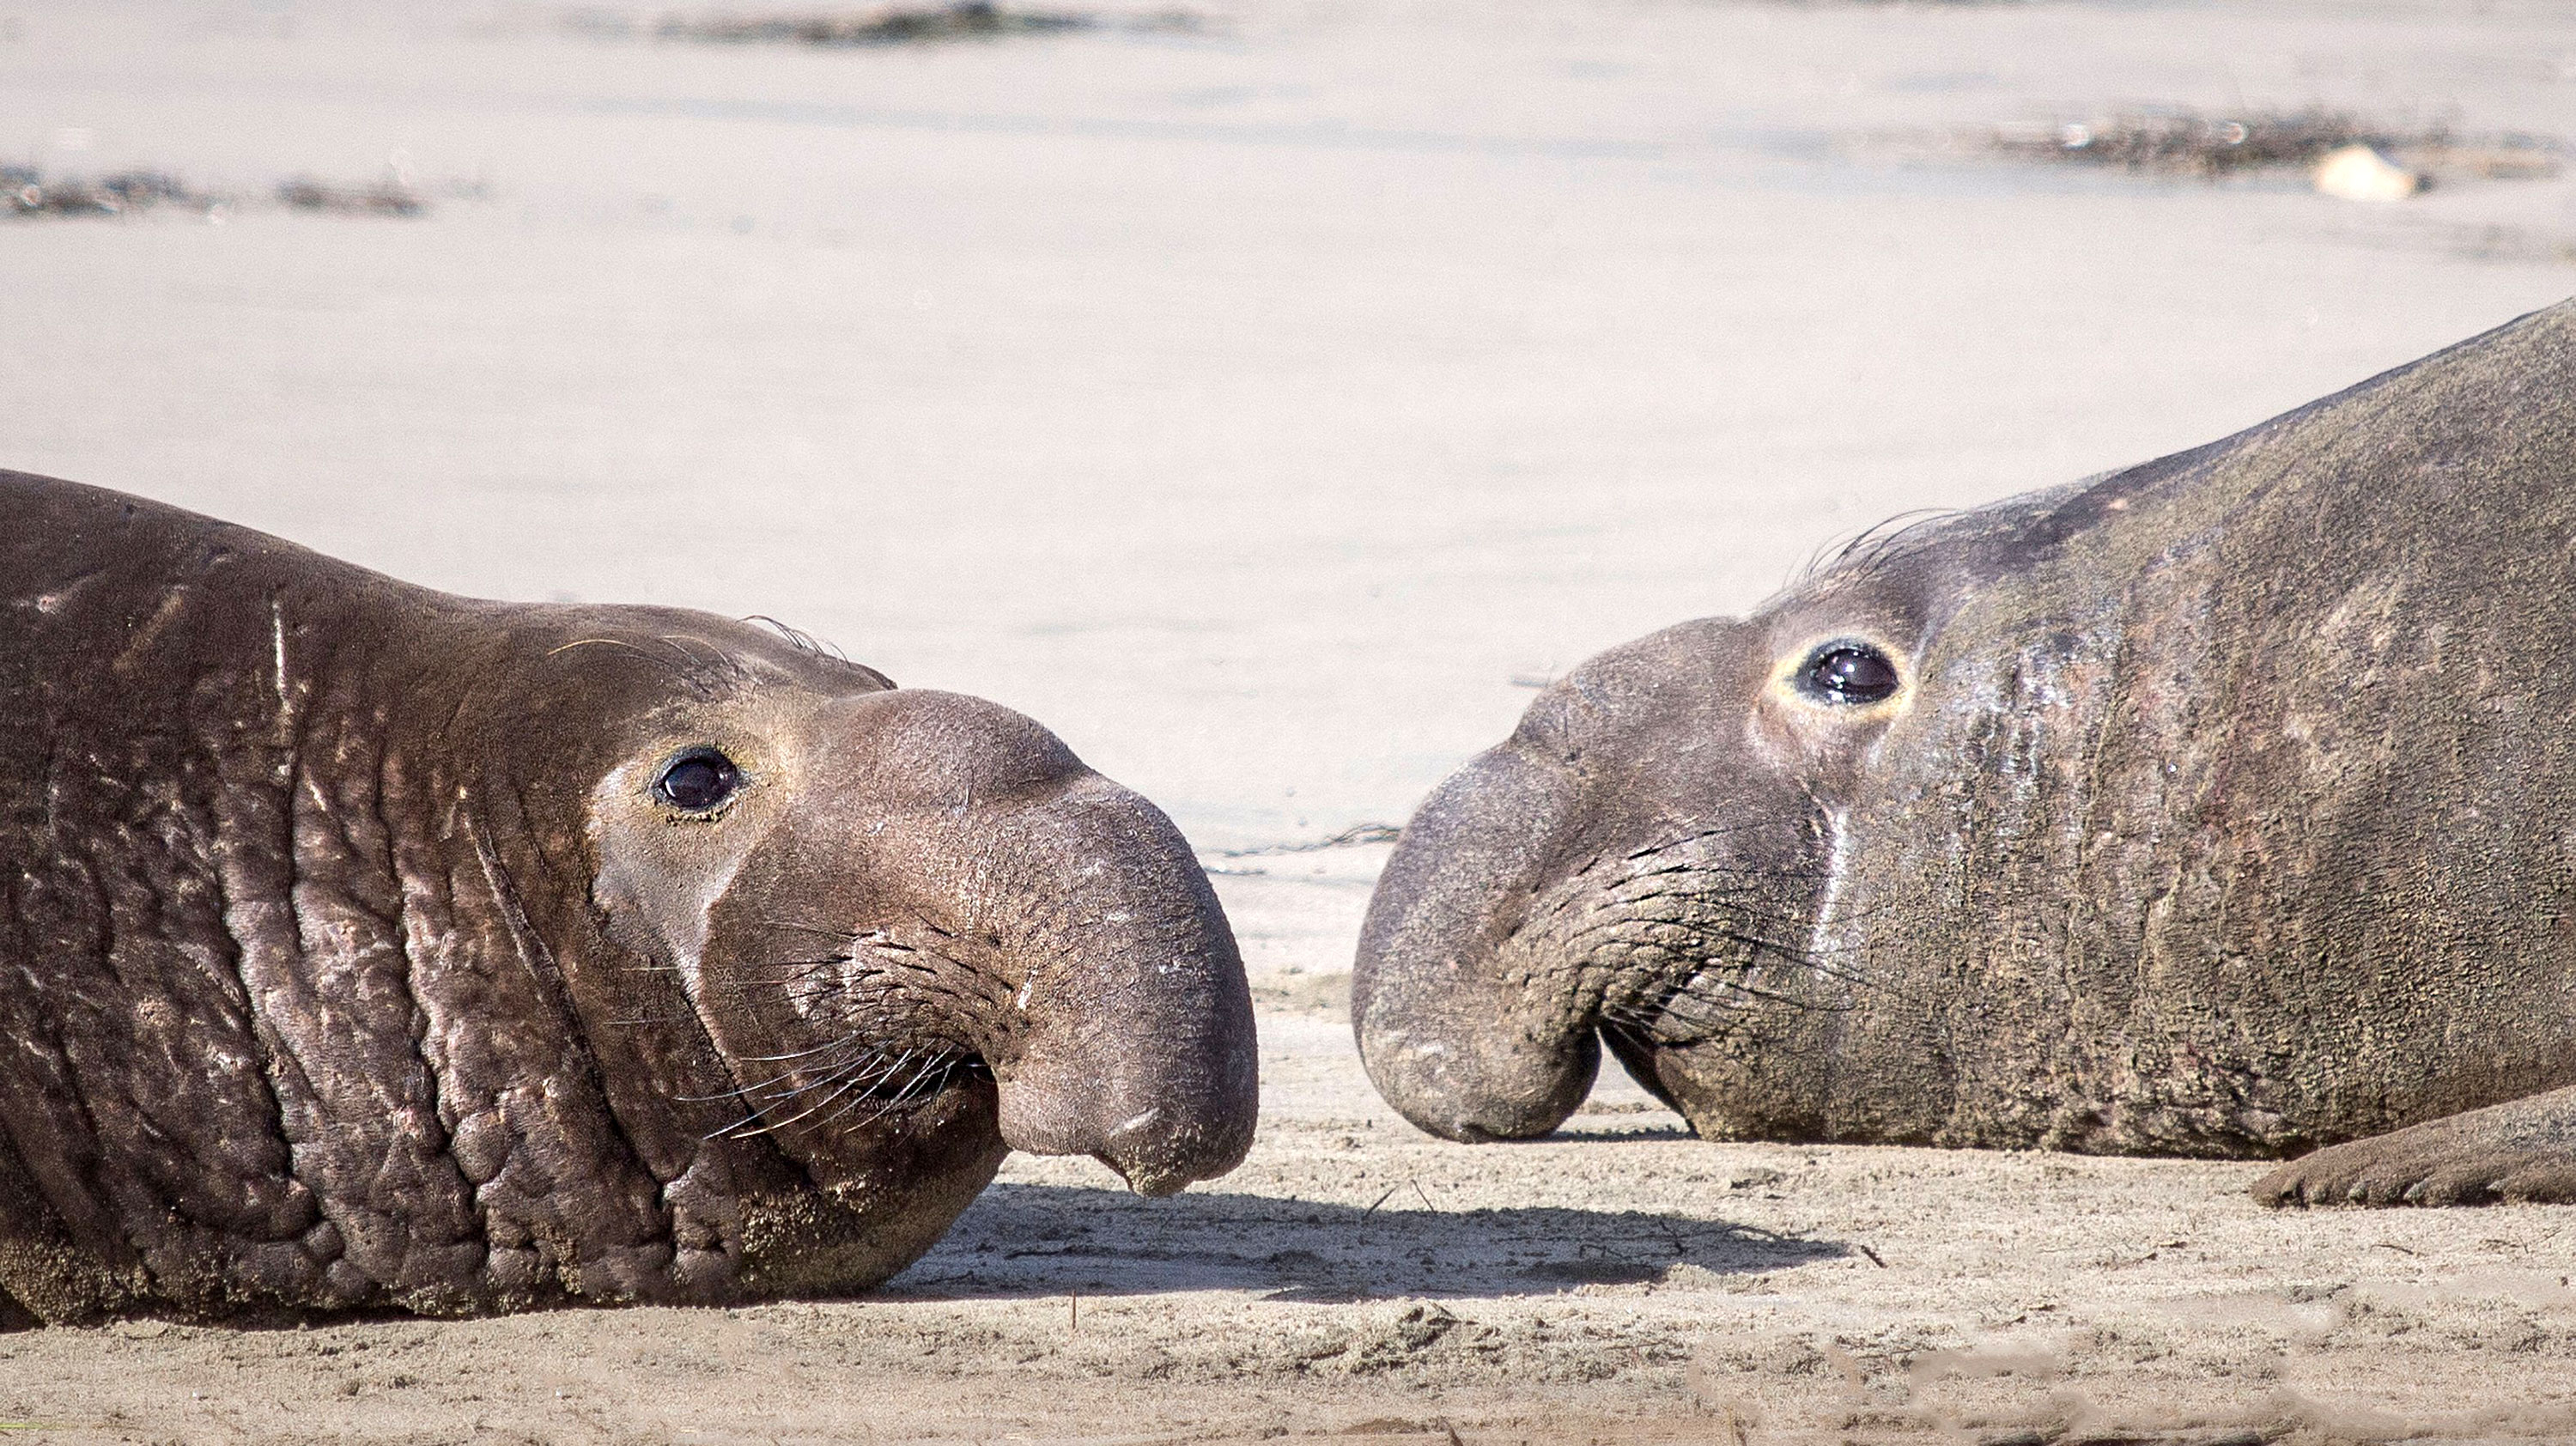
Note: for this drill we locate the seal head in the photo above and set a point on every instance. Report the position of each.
(2213, 807)
(371, 947)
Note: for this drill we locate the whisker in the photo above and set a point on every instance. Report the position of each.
(897, 1098)
(797, 1054)
(854, 1081)
(752, 1091)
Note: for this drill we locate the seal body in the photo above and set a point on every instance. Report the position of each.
(2224, 806)
(365, 946)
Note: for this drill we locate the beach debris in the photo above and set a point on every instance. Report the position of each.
(2188, 144)
(387, 197)
(892, 25)
(2365, 157)
(30, 191)
(2360, 173)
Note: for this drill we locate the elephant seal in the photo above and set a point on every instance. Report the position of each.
(364, 946)
(2225, 806)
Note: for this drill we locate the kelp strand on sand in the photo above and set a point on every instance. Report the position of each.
(383, 198)
(2185, 143)
(900, 25)
(27, 191)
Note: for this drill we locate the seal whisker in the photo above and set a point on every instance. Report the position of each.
(795, 1054)
(1795, 954)
(897, 1096)
(755, 1126)
(919, 1074)
(744, 1127)
(1691, 993)
(752, 1091)
(644, 653)
(929, 1061)
(1724, 830)
(1806, 951)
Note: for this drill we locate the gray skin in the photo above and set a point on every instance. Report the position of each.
(349, 957)
(2225, 806)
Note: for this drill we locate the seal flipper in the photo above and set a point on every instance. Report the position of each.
(2522, 1151)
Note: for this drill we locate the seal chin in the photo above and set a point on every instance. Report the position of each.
(1158, 1150)
(1468, 1086)
(1153, 1162)
(1147, 1164)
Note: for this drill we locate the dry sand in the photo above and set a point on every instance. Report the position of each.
(1264, 408)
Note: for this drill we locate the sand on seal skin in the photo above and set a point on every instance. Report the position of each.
(1264, 405)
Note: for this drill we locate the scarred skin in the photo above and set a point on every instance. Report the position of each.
(2225, 806)
(350, 959)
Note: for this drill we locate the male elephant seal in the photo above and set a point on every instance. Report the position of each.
(365, 946)
(2225, 806)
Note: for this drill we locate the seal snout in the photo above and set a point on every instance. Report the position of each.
(947, 922)
(1131, 1038)
(1443, 1035)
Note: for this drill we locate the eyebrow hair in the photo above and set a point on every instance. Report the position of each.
(705, 673)
(822, 650)
(1874, 544)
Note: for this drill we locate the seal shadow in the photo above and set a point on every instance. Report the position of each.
(1020, 1241)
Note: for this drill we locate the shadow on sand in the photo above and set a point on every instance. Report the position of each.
(1036, 1240)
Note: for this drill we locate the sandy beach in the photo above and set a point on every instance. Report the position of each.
(1267, 404)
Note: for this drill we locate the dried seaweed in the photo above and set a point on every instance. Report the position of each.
(28, 191)
(2192, 144)
(388, 197)
(2184, 143)
(895, 25)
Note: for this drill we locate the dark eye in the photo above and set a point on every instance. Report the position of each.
(1850, 673)
(697, 780)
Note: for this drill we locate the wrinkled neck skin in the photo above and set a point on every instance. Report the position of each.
(2206, 779)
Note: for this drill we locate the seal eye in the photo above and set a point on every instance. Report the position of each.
(1850, 673)
(698, 780)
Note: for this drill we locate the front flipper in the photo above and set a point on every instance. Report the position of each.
(2522, 1151)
